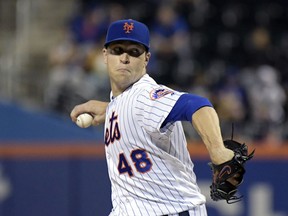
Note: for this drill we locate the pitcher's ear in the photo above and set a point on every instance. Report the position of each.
(147, 57)
(104, 51)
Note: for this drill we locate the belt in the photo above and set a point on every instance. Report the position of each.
(184, 213)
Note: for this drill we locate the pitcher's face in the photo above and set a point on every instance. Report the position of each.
(126, 63)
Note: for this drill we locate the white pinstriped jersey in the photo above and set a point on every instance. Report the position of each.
(149, 167)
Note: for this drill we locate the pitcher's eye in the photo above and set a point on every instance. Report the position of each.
(116, 51)
(135, 52)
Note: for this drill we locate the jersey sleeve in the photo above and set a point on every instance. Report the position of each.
(153, 106)
(185, 107)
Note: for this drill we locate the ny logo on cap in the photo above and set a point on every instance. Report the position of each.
(128, 28)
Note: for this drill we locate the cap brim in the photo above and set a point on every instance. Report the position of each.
(126, 39)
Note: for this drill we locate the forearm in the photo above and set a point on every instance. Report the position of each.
(206, 123)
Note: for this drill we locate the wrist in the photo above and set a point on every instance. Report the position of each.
(221, 155)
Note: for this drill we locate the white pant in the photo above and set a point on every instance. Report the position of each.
(197, 211)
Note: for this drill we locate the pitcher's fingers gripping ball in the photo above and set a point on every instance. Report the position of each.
(229, 175)
(84, 120)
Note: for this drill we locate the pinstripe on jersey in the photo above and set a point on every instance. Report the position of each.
(149, 167)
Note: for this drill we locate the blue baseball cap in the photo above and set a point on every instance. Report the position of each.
(128, 30)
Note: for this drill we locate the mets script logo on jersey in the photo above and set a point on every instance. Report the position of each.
(158, 93)
(128, 27)
(112, 133)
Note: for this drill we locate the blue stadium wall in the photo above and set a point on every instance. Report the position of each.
(50, 167)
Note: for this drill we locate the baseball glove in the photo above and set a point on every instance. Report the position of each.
(222, 187)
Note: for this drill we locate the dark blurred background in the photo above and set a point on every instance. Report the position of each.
(233, 52)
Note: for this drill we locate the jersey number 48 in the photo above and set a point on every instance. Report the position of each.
(141, 162)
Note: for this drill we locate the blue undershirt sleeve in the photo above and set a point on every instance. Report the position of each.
(185, 107)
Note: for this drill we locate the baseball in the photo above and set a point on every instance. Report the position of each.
(84, 120)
